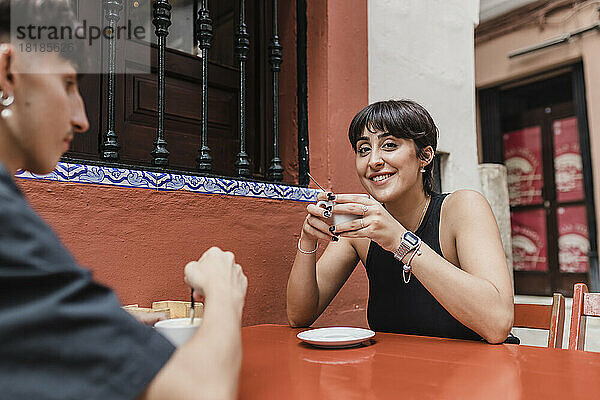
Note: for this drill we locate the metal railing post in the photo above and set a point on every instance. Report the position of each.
(275, 59)
(242, 47)
(161, 18)
(110, 146)
(204, 30)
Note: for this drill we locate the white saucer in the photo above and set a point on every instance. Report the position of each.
(336, 336)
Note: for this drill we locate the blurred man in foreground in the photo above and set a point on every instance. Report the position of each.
(63, 335)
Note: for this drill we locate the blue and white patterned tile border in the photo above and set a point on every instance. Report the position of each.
(82, 173)
(61, 173)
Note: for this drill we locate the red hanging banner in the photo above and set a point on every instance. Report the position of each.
(529, 240)
(567, 160)
(523, 159)
(573, 242)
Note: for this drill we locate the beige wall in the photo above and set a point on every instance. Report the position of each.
(423, 51)
(493, 67)
(494, 8)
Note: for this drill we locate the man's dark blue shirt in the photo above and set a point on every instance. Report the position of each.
(62, 335)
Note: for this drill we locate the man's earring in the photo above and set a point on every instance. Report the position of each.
(6, 102)
(6, 113)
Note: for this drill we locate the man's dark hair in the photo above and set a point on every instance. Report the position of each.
(403, 119)
(56, 13)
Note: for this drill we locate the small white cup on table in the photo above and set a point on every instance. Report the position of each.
(178, 330)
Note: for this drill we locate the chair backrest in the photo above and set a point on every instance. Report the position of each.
(539, 316)
(584, 304)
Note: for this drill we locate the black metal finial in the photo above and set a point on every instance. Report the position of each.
(161, 19)
(110, 147)
(205, 34)
(204, 26)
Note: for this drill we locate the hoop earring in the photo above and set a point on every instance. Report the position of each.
(6, 102)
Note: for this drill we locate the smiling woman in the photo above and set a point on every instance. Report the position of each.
(406, 230)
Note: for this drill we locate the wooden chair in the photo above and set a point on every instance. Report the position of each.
(539, 316)
(584, 304)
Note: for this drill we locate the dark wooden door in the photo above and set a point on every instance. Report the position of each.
(136, 92)
(548, 212)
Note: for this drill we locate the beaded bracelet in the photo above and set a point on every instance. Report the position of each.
(307, 252)
(406, 268)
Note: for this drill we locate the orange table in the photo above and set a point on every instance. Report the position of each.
(277, 365)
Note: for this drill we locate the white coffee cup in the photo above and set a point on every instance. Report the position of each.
(341, 218)
(178, 330)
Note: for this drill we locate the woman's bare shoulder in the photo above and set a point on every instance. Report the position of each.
(465, 205)
(465, 198)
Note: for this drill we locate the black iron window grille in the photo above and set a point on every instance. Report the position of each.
(211, 102)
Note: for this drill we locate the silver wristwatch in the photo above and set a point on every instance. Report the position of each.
(410, 241)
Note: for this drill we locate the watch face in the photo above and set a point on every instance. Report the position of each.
(411, 238)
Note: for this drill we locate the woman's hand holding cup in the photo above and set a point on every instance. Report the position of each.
(328, 213)
(318, 221)
(369, 220)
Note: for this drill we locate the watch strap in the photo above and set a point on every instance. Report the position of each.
(401, 251)
(406, 247)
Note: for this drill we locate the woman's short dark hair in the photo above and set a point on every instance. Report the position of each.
(56, 13)
(404, 119)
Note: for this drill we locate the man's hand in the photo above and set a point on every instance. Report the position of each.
(216, 274)
(218, 341)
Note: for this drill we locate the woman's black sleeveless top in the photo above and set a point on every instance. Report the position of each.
(409, 308)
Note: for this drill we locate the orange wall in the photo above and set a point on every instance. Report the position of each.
(137, 240)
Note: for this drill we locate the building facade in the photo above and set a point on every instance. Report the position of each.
(538, 87)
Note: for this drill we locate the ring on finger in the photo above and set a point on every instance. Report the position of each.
(362, 224)
(365, 209)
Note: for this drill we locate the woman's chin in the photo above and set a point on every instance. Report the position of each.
(381, 195)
